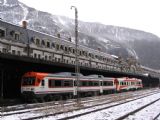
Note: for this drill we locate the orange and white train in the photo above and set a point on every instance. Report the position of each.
(125, 84)
(47, 87)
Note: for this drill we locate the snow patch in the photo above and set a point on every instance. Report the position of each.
(25, 11)
(5, 2)
(61, 21)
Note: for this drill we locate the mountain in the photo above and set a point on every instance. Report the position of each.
(115, 40)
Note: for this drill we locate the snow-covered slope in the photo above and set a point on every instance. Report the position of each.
(111, 39)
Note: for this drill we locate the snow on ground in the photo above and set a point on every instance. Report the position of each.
(148, 113)
(109, 114)
(114, 112)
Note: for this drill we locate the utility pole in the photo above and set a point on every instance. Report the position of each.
(76, 54)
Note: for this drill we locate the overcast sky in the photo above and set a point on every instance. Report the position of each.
(137, 14)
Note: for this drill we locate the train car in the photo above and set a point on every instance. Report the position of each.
(57, 86)
(47, 87)
(125, 84)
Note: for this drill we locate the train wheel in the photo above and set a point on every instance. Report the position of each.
(48, 98)
(57, 97)
(41, 100)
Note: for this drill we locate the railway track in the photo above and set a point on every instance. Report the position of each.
(36, 105)
(137, 110)
(76, 116)
(41, 106)
(77, 108)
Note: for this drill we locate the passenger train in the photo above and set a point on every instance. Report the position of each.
(63, 85)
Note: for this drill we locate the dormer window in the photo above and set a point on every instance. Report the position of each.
(48, 44)
(62, 47)
(57, 47)
(53, 45)
(17, 36)
(43, 43)
(37, 41)
(69, 49)
(66, 49)
(2, 32)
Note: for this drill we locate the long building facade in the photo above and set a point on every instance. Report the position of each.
(20, 41)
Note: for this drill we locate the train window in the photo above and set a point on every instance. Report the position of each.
(107, 83)
(28, 81)
(95, 83)
(90, 83)
(51, 83)
(75, 83)
(101, 83)
(58, 83)
(84, 83)
(68, 83)
(43, 83)
(2, 33)
(123, 83)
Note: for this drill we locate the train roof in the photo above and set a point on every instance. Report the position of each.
(65, 74)
(128, 79)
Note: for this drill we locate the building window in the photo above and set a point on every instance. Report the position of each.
(53, 45)
(39, 56)
(66, 49)
(2, 33)
(57, 47)
(73, 51)
(48, 44)
(35, 55)
(18, 52)
(46, 57)
(43, 43)
(4, 50)
(13, 52)
(37, 41)
(62, 47)
(17, 36)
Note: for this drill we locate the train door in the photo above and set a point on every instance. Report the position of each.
(75, 87)
(101, 86)
(116, 83)
(43, 85)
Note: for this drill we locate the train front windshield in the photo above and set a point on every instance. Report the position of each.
(28, 80)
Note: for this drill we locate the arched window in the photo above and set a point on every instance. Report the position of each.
(43, 43)
(62, 47)
(53, 45)
(48, 44)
